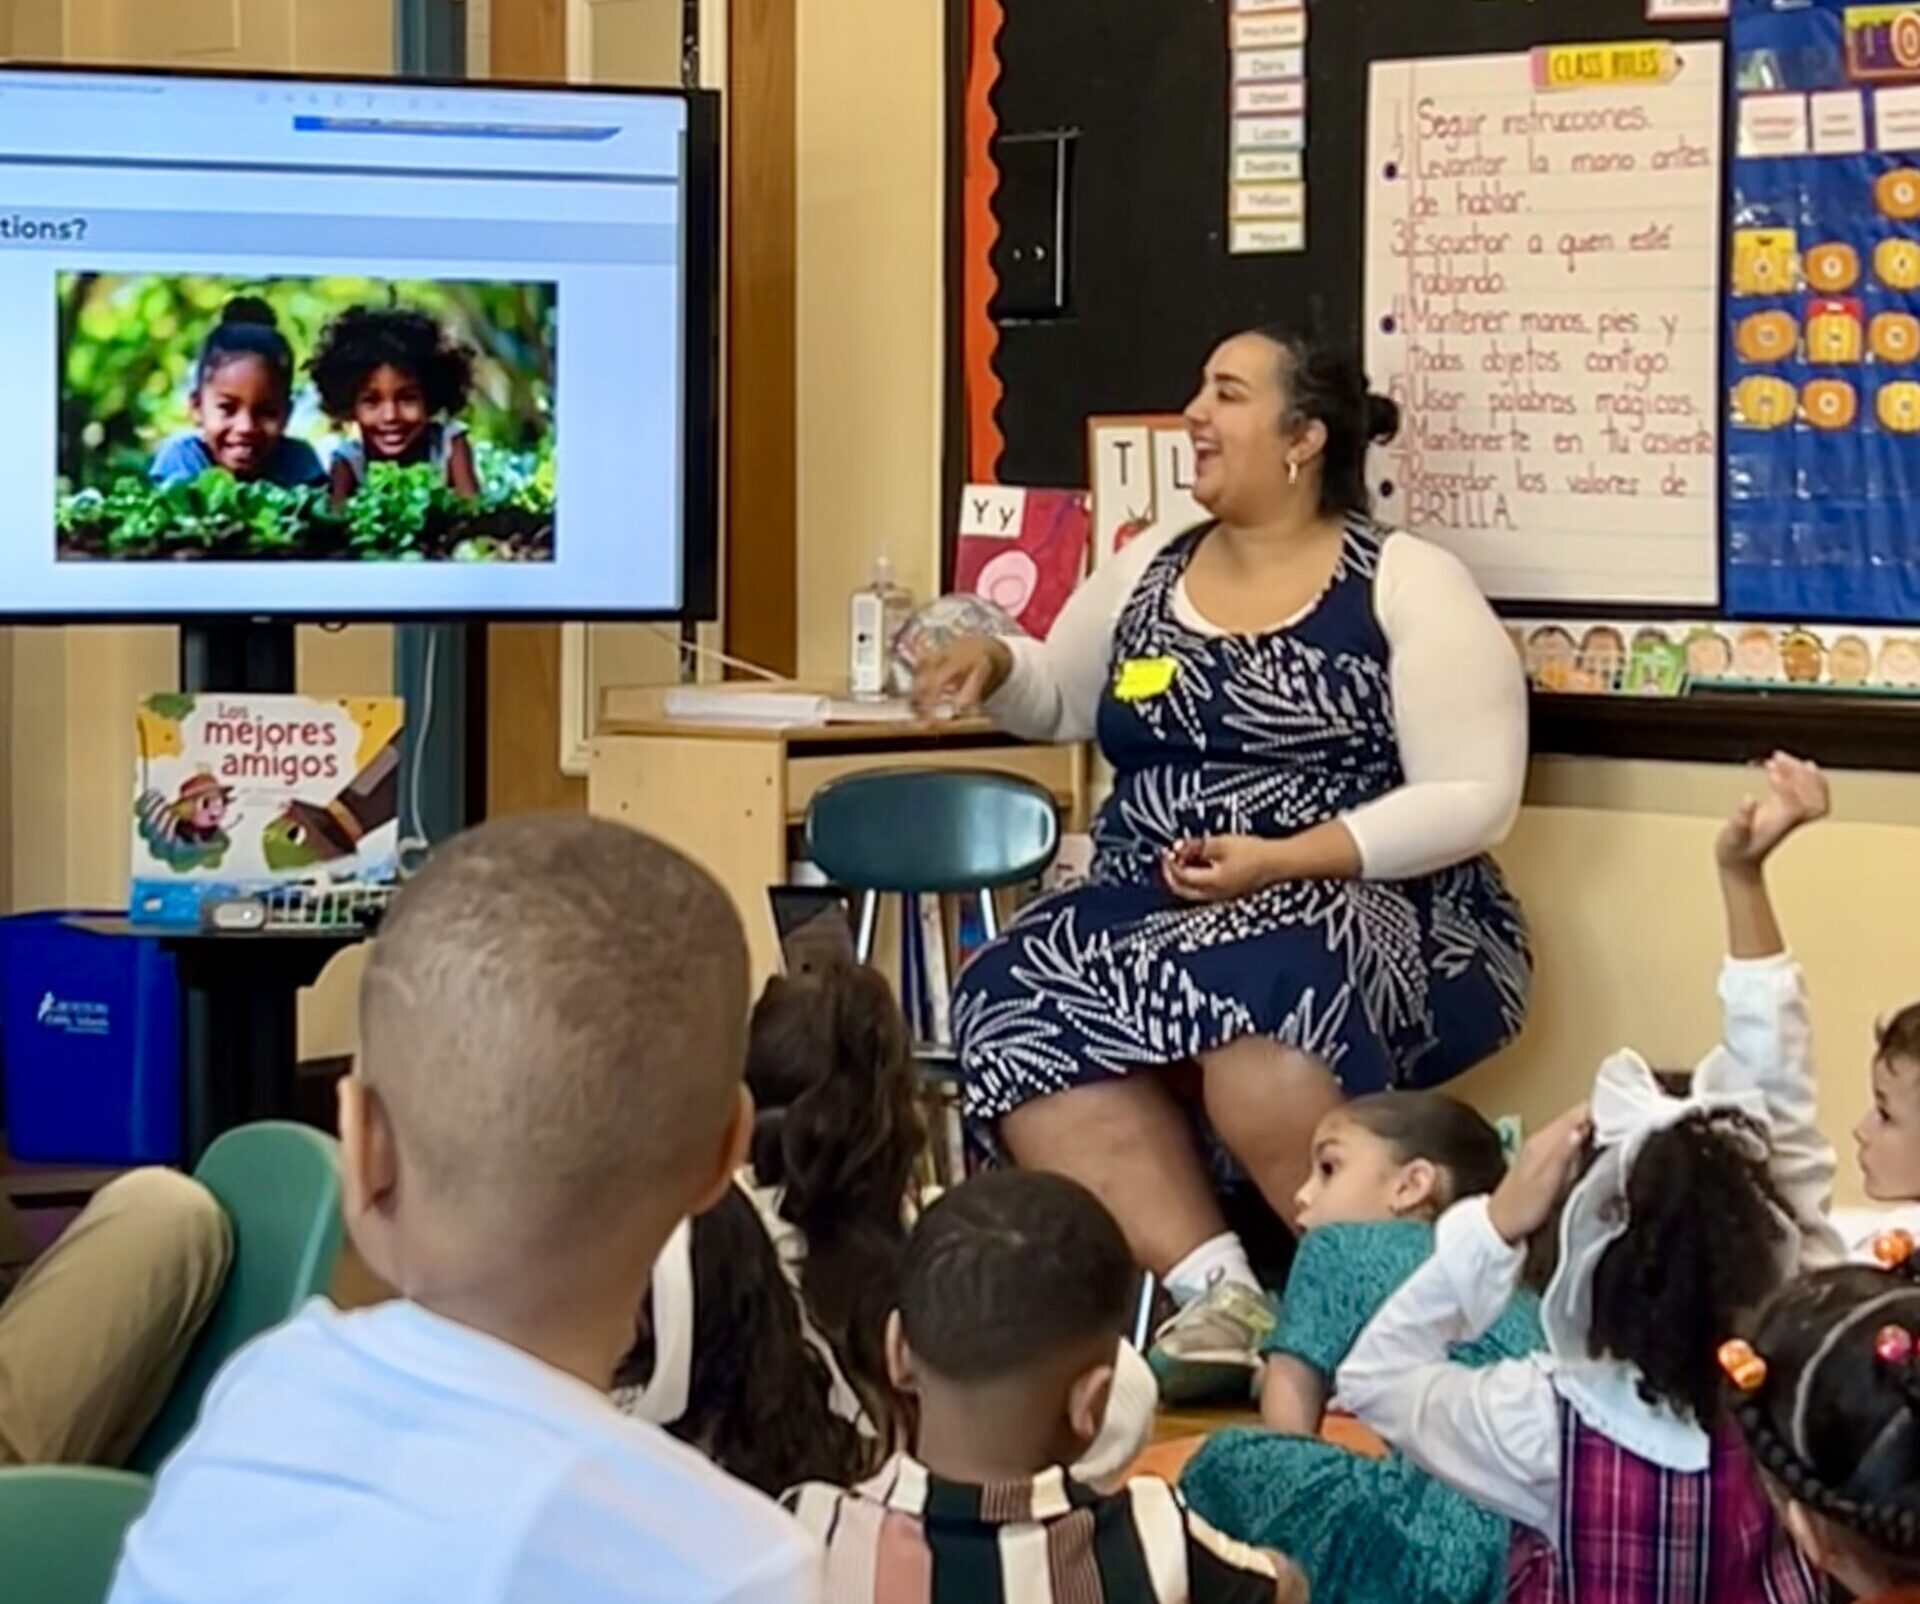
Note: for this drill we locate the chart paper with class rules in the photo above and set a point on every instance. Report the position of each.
(1542, 299)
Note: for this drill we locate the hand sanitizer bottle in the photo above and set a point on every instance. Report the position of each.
(880, 611)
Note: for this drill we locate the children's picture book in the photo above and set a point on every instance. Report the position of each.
(238, 796)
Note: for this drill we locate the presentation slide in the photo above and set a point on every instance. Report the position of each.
(340, 349)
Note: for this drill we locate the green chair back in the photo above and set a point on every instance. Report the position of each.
(61, 1527)
(932, 831)
(280, 1186)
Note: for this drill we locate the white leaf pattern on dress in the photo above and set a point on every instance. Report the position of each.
(1264, 735)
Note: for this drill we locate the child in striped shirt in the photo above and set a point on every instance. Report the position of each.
(1014, 1298)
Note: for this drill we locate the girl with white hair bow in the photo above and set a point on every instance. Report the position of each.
(1612, 1452)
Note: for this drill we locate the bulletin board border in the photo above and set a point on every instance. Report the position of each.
(1724, 727)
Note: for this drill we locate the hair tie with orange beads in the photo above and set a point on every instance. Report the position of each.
(1744, 1368)
(1893, 1249)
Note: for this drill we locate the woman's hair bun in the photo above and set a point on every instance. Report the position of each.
(249, 310)
(1383, 418)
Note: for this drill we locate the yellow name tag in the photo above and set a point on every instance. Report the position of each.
(1142, 678)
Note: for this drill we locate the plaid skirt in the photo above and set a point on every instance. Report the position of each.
(1632, 1532)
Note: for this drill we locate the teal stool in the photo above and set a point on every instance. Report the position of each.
(940, 833)
(61, 1528)
(280, 1186)
(930, 832)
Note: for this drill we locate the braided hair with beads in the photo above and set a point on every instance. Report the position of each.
(1827, 1393)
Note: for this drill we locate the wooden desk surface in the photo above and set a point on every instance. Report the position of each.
(642, 710)
(728, 795)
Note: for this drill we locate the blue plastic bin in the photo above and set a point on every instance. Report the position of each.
(90, 1039)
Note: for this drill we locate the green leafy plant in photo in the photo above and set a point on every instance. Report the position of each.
(130, 345)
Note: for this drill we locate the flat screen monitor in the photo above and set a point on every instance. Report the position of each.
(330, 349)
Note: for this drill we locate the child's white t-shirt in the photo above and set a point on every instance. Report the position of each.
(440, 438)
(390, 1456)
(1859, 1227)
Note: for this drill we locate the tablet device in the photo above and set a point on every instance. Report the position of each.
(813, 926)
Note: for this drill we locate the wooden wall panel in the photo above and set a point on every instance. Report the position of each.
(761, 497)
(523, 724)
(760, 494)
(529, 39)
(528, 42)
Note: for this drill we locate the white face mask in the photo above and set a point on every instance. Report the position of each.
(1128, 1427)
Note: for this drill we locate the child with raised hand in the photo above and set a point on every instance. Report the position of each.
(1384, 1168)
(1612, 1452)
(552, 1032)
(396, 381)
(1016, 1290)
(241, 401)
(1827, 1394)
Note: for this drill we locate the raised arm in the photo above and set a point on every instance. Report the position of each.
(1767, 1038)
(1460, 713)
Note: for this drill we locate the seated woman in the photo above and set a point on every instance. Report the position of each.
(1318, 728)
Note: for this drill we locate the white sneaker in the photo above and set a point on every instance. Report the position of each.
(1210, 1350)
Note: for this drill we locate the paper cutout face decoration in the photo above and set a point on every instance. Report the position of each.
(1850, 662)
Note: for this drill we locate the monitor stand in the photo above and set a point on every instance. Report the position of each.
(240, 994)
(242, 656)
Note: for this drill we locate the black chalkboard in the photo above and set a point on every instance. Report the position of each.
(1150, 283)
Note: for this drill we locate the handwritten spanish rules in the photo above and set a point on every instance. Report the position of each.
(1543, 239)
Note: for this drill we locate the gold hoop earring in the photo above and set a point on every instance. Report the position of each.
(1293, 472)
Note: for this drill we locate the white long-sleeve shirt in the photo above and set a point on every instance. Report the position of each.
(1459, 699)
(1494, 1433)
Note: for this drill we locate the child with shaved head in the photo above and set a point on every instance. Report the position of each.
(552, 1028)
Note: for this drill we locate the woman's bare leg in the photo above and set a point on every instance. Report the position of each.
(1131, 1145)
(1264, 1101)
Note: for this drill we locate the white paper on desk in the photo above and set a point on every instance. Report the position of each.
(844, 710)
(779, 710)
(776, 710)
(1543, 300)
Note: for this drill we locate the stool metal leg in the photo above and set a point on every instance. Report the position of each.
(1143, 1311)
(989, 916)
(869, 923)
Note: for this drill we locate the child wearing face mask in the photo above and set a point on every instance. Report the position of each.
(242, 400)
(1015, 1293)
(1384, 1168)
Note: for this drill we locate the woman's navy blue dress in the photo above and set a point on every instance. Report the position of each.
(1402, 983)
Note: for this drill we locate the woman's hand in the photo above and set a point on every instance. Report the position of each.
(1540, 1176)
(1797, 794)
(1219, 868)
(963, 677)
